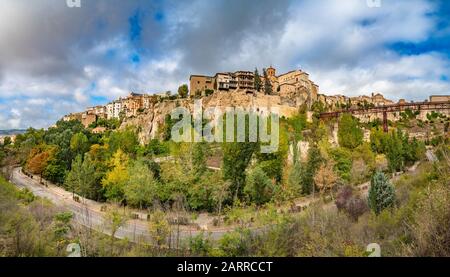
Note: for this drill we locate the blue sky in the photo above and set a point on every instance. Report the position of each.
(55, 60)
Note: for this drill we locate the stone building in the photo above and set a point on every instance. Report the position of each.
(292, 82)
(87, 119)
(439, 98)
(245, 80)
(222, 81)
(200, 83)
(132, 104)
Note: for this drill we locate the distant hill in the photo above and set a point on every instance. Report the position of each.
(11, 132)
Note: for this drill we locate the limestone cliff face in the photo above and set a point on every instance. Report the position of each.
(151, 120)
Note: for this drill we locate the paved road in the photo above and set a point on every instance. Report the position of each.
(88, 214)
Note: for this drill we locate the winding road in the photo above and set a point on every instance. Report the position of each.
(88, 212)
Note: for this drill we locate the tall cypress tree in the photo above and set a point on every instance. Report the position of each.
(258, 82)
(267, 84)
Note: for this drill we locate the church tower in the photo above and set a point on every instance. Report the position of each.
(271, 71)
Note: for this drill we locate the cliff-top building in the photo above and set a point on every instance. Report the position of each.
(284, 84)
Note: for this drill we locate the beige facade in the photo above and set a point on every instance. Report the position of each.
(335, 102)
(200, 83)
(87, 119)
(439, 98)
(99, 130)
(222, 81)
(132, 104)
(245, 80)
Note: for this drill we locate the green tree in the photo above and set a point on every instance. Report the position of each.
(268, 90)
(349, 134)
(200, 155)
(236, 158)
(81, 178)
(273, 163)
(183, 91)
(259, 187)
(381, 193)
(79, 144)
(295, 177)
(126, 140)
(395, 151)
(378, 140)
(258, 82)
(55, 171)
(312, 165)
(343, 162)
(140, 188)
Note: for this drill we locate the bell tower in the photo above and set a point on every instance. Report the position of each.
(271, 71)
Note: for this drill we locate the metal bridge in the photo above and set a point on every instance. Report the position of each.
(393, 108)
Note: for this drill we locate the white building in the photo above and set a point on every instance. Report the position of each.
(117, 109)
(110, 111)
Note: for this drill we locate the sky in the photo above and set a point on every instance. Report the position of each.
(55, 60)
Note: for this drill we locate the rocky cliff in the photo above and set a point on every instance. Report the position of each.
(150, 121)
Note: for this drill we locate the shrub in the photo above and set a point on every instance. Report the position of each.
(350, 203)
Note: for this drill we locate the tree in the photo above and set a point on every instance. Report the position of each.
(79, 144)
(273, 163)
(343, 162)
(258, 82)
(183, 91)
(55, 171)
(381, 193)
(220, 193)
(325, 178)
(140, 188)
(267, 84)
(236, 158)
(114, 220)
(39, 158)
(117, 177)
(200, 153)
(81, 179)
(349, 134)
(395, 151)
(312, 165)
(156, 147)
(295, 177)
(159, 229)
(259, 187)
(126, 140)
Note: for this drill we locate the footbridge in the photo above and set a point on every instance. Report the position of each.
(393, 108)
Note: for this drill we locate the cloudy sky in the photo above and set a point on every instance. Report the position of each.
(55, 60)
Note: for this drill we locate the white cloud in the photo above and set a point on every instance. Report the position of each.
(54, 59)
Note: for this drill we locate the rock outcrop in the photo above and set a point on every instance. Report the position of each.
(150, 121)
